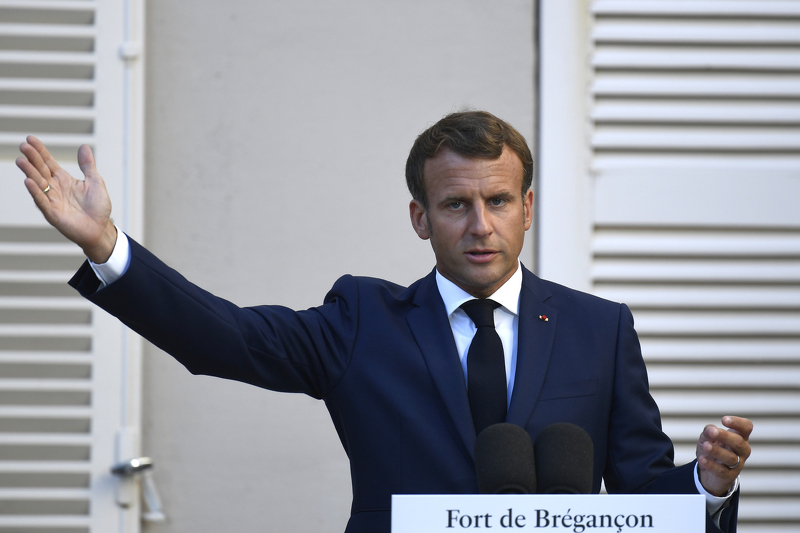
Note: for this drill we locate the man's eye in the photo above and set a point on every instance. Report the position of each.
(455, 205)
(498, 201)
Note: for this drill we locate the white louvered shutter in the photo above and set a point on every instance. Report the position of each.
(691, 208)
(69, 384)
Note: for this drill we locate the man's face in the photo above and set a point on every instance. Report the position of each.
(476, 218)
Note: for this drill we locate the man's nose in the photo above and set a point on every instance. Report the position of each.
(480, 223)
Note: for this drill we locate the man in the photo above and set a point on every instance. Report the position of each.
(394, 365)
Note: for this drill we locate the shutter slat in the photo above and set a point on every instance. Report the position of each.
(41, 85)
(769, 510)
(736, 324)
(701, 297)
(697, 242)
(761, 482)
(681, 32)
(787, 163)
(777, 430)
(42, 494)
(34, 439)
(50, 139)
(45, 411)
(22, 330)
(77, 303)
(60, 522)
(744, 271)
(693, 84)
(767, 455)
(754, 404)
(672, 112)
(695, 139)
(716, 376)
(51, 5)
(44, 358)
(39, 384)
(30, 248)
(728, 350)
(49, 112)
(47, 58)
(697, 8)
(46, 30)
(681, 349)
(729, 60)
(79, 467)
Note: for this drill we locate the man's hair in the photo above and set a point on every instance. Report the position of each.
(475, 134)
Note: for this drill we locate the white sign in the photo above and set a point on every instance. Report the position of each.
(583, 513)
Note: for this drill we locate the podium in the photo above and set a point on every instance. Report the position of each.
(561, 513)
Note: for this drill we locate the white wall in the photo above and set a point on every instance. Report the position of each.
(276, 138)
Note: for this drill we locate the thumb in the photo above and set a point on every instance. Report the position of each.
(86, 162)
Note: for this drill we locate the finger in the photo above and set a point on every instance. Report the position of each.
(32, 176)
(48, 159)
(721, 454)
(709, 434)
(706, 434)
(739, 425)
(726, 439)
(39, 198)
(723, 446)
(86, 163)
(723, 476)
(38, 171)
(719, 469)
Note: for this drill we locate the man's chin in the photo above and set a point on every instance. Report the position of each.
(481, 286)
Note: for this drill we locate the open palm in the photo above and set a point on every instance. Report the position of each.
(79, 209)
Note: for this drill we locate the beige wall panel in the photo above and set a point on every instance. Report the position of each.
(276, 140)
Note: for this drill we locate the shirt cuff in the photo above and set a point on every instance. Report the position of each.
(714, 503)
(117, 264)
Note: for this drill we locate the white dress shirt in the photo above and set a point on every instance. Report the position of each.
(506, 320)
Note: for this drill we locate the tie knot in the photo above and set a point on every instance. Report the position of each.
(481, 312)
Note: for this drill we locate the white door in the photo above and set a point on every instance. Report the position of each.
(69, 378)
(670, 180)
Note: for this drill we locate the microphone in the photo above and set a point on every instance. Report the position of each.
(504, 460)
(565, 457)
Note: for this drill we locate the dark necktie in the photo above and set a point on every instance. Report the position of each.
(486, 367)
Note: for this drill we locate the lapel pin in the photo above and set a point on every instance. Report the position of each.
(544, 317)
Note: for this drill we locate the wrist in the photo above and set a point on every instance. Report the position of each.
(101, 251)
(712, 485)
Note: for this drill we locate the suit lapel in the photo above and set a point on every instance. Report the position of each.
(534, 346)
(431, 329)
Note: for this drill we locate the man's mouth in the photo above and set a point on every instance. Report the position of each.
(481, 255)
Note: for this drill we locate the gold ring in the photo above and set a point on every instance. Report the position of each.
(46, 189)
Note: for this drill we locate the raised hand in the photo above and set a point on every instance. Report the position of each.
(79, 209)
(721, 453)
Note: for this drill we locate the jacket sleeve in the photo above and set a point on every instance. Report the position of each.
(638, 450)
(636, 437)
(268, 346)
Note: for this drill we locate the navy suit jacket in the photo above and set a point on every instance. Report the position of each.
(383, 359)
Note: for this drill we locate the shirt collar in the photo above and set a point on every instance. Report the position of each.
(507, 295)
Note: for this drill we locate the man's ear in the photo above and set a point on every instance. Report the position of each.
(419, 219)
(527, 208)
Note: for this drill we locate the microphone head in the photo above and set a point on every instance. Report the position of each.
(565, 457)
(504, 460)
